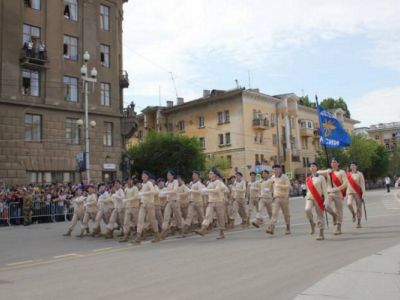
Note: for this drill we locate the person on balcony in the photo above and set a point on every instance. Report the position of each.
(42, 51)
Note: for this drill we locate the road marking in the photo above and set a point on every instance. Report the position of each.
(20, 263)
(66, 255)
(103, 249)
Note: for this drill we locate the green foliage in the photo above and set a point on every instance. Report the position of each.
(304, 100)
(394, 167)
(160, 152)
(219, 162)
(330, 103)
(371, 157)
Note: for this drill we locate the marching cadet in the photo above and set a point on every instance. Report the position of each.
(336, 186)
(215, 190)
(280, 194)
(253, 192)
(355, 192)
(265, 198)
(147, 210)
(117, 215)
(239, 192)
(230, 207)
(91, 209)
(195, 201)
(79, 210)
(157, 204)
(131, 203)
(106, 207)
(162, 196)
(183, 196)
(173, 206)
(315, 197)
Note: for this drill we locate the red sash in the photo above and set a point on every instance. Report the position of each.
(314, 192)
(337, 182)
(354, 185)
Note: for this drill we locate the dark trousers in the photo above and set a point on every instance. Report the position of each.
(388, 188)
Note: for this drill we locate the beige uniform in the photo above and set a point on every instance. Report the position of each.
(334, 193)
(147, 210)
(91, 210)
(352, 195)
(79, 211)
(265, 198)
(106, 207)
(230, 206)
(158, 206)
(118, 214)
(183, 198)
(131, 203)
(319, 182)
(172, 206)
(195, 203)
(215, 190)
(280, 194)
(253, 192)
(239, 194)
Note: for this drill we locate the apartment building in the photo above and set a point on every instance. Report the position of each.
(251, 129)
(42, 43)
(387, 134)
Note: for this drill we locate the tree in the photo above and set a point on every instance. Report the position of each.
(219, 162)
(330, 103)
(304, 100)
(394, 165)
(160, 152)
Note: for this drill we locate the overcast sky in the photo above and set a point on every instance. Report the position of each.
(335, 48)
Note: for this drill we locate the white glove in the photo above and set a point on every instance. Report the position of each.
(329, 171)
(204, 191)
(140, 194)
(326, 205)
(335, 190)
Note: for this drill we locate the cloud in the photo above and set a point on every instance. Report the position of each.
(380, 106)
(180, 35)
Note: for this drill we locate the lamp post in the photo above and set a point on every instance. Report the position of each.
(85, 80)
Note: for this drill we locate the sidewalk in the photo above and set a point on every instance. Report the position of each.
(370, 278)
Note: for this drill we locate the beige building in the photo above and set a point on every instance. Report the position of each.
(42, 45)
(387, 134)
(251, 129)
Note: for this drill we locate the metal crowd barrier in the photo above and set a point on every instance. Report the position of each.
(12, 213)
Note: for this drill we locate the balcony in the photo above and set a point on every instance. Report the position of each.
(316, 133)
(124, 80)
(306, 132)
(33, 59)
(295, 158)
(261, 123)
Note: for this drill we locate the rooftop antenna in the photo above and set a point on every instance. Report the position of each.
(237, 84)
(173, 81)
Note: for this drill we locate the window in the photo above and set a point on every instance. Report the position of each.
(304, 162)
(262, 158)
(227, 138)
(70, 89)
(104, 17)
(201, 122)
(71, 10)
(259, 138)
(33, 128)
(377, 137)
(257, 162)
(386, 135)
(274, 139)
(220, 118)
(227, 117)
(70, 47)
(105, 94)
(181, 125)
(220, 139)
(30, 83)
(108, 134)
(72, 131)
(203, 143)
(304, 143)
(34, 4)
(273, 119)
(229, 159)
(105, 55)
(48, 177)
(31, 33)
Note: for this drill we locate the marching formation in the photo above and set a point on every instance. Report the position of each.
(162, 207)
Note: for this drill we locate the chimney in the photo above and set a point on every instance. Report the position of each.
(180, 101)
(206, 93)
(170, 103)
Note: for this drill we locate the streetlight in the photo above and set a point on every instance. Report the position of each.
(85, 80)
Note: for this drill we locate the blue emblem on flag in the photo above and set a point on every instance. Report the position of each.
(332, 134)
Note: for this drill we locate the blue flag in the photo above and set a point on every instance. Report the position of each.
(331, 132)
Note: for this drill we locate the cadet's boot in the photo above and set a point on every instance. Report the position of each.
(96, 232)
(164, 234)
(270, 229)
(359, 224)
(82, 233)
(87, 231)
(288, 229)
(352, 212)
(202, 231)
(321, 236)
(138, 240)
(108, 234)
(182, 233)
(68, 233)
(221, 235)
(312, 224)
(121, 234)
(156, 238)
(124, 239)
(186, 229)
(338, 229)
(256, 223)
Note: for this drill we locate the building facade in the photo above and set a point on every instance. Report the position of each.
(42, 43)
(387, 134)
(251, 129)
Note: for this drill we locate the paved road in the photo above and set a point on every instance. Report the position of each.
(36, 262)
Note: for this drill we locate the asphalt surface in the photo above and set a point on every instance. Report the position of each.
(36, 262)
